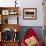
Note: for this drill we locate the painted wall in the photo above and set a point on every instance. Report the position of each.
(32, 4)
(26, 4)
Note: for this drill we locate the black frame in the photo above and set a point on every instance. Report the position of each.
(28, 11)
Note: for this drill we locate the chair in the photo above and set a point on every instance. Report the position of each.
(28, 37)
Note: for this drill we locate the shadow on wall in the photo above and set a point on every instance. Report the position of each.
(37, 29)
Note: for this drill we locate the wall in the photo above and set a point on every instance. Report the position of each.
(32, 4)
(26, 4)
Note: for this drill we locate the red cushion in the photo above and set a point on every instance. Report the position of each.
(29, 33)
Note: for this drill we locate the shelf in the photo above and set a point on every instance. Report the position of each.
(6, 24)
(11, 41)
(9, 11)
(10, 26)
(9, 20)
(5, 12)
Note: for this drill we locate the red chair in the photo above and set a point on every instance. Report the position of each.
(29, 33)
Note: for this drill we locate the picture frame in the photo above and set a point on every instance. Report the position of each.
(13, 12)
(5, 12)
(30, 13)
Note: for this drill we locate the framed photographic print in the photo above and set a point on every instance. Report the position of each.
(13, 12)
(30, 13)
(5, 12)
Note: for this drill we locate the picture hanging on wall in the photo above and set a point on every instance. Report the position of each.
(30, 13)
(5, 12)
